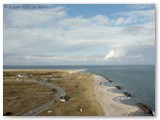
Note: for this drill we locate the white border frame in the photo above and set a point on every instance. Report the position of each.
(156, 2)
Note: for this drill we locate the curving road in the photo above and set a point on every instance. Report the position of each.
(44, 106)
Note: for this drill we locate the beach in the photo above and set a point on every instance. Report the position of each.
(84, 89)
(106, 99)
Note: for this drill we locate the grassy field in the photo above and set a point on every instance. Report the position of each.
(19, 97)
(22, 94)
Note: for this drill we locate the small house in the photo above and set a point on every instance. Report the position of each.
(64, 98)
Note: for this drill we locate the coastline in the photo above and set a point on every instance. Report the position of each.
(106, 99)
(104, 96)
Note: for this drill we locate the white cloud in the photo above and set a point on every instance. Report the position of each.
(53, 32)
(100, 20)
(24, 18)
(141, 6)
(136, 57)
(136, 16)
(115, 54)
(122, 21)
(35, 59)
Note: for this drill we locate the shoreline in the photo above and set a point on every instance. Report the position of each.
(103, 94)
(107, 100)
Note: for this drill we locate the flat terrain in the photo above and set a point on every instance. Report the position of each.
(21, 96)
(23, 93)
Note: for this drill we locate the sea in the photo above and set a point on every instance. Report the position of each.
(138, 80)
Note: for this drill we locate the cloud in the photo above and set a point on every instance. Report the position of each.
(121, 56)
(134, 17)
(141, 6)
(115, 54)
(136, 57)
(29, 18)
(52, 36)
(100, 20)
(123, 20)
(47, 59)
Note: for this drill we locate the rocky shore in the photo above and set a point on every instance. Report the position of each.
(106, 99)
(111, 107)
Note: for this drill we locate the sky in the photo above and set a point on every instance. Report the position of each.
(79, 34)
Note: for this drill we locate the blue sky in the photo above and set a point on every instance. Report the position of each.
(79, 34)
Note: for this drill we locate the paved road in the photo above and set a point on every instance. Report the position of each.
(44, 106)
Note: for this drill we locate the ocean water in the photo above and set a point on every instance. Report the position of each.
(138, 80)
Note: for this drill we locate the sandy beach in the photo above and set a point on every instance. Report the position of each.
(105, 98)
(103, 93)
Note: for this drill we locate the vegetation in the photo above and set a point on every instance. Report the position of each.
(21, 95)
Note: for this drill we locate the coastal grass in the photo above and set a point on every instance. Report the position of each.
(81, 92)
(23, 95)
